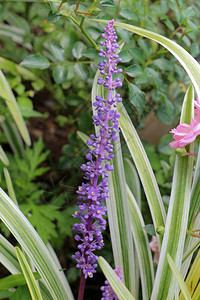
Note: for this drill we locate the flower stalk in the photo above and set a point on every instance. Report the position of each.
(94, 192)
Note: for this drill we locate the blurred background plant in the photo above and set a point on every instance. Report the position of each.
(49, 56)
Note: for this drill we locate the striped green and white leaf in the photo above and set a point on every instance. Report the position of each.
(118, 287)
(9, 184)
(13, 137)
(179, 278)
(8, 256)
(118, 207)
(144, 168)
(177, 217)
(3, 157)
(7, 94)
(142, 247)
(28, 275)
(34, 247)
(132, 179)
(192, 277)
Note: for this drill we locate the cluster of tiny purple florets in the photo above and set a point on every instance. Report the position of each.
(107, 291)
(93, 193)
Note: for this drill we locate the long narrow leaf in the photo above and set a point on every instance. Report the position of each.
(196, 295)
(142, 247)
(193, 276)
(3, 157)
(179, 278)
(9, 184)
(177, 217)
(118, 208)
(143, 167)
(7, 94)
(34, 247)
(28, 275)
(8, 256)
(118, 287)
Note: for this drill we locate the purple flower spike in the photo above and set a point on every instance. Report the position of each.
(108, 293)
(92, 194)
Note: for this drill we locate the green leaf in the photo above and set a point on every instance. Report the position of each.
(28, 275)
(20, 293)
(60, 74)
(9, 184)
(3, 157)
(12, 281)
(133, 70)
(129, 14)
(163, 64)
(137, 98)
(118, 287)
(7, 94)
(90, 53)
(57, 51)
(141, 243)
(150, 229)
(34, 247)
(136, 53)
(125, 56)
(35, 61)
(107, 3)
(82, 71)
(52, 18)
(77, 50)
(179, 278)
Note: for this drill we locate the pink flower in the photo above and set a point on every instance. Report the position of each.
(197, 110)
(154, 247)
(185, 133)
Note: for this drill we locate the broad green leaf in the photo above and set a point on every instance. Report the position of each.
(28, 275)
(8, 256)
(118, 208)
(78, 49)
(7, 94)
(125, 56)
(137, 98)
(143, 167)
(118, 287)
(179, 278)
(150, 229)
(53, 17)
(177, 217)
(35, 61)
(9, 184)
(193, 276)
(5, 294)
(34, 247)
(12, 281)
(129, 14)
(82, 71)
(60, 74)
(133, 70)
(163, 64)
(3, 157)
(57, 51)
(141, 243)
